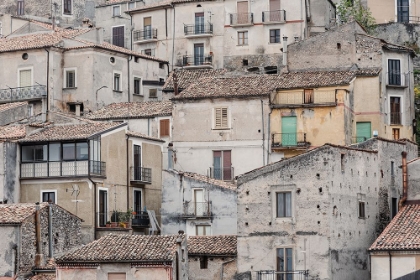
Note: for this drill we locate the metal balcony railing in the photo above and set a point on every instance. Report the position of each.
(23, 93)
(241, 19)
(414, 19)
(395, 118)
(188, 60)
(197, 209)
(197, 29)
(307, 98)
(140, 219)
(146, 34)
(397, 79)
(114, 217)
(356, 140)
(62, 169)
(274, 16)
(283, 275)
(287, 140)
(225, 173)
(141, 174)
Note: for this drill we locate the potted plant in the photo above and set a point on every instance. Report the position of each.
(108, 224)
(123, 225)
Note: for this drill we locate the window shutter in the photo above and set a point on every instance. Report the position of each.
(70, 79)
(221, 117)
(118, 36)
(274, 5)
(147, 21)
(116, 276)
(152, 93)
(25, 78)
(164, 128)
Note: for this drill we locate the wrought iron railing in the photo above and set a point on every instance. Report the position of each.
(140, 219)
(286, 140)
(196, 60)
(274, 16)
(397, 79)
(115, 217)
(141, 174)
(225, 173)
(319, 97)
(395, 118)
(23, 93)
(196, 29)
(197, 209)
(146, 34)
(283, 275)
(241, 18)
(62, 169)
(359, 139)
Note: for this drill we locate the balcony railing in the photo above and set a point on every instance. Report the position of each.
(288, 140)
(359, 139)
(141, 174)
(414, 19)
(198, 29)
(225, 173)
(274, 16)
(197, 209)
(395, 118)
(241, 19)
(62, 169)
(117, 217)
(305, 98)
(140, 219)
(146, 34)
(188, 60)
(397, 79)
(23, 93)
(283, 275)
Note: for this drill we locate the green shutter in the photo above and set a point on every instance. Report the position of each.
(363, 130)
(288, 130)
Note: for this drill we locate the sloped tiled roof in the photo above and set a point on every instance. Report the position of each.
(202, 178)
(132, 110)
(217, 245)
(403, 233)
(164, 3)
(185, 77)
(12, 105)
(143, 136)
(69, 132)
(18, 212)
(114, 248)
(12, 132)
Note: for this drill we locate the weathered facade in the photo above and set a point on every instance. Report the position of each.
(315, 214)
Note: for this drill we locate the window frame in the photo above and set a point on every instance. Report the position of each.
(393, 79)
(224, 122)
(205, 228)
(244, 40)
(25, 69)
(392, 120)
(115, 39)
(48, 191)
(133, 3)
(285, 204)
(65, 80)
(361, 206)
(153, 89)
(137, 90)
(275, 36)
(70, 11)
(285, 259)
(114, 9)
(117, 87)
(20, 8)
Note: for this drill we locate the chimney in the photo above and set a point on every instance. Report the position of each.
(405, 180)
(39, 257)
(286, 68)
(77, 110)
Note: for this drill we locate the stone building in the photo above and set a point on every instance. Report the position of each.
(212, 257)
(140, 257)
(315, 214)
(197, 204)
(32, 233)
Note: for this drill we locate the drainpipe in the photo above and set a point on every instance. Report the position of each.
(128, 172)
(223, 265)
(50, 239)
(39, 257)
(405, 180)
(286, 67)
(269, 136)
(166, 22)
(129, 58)
(263, 132)
(48, 86)
(390, 265)
(15, 259)
(173, 38)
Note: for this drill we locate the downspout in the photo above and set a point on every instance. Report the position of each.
(166, 22)
(39, 258)
(269, 136)
(131, 31)
(173, 38)
(263, 132)
(405, 180)
(50, 247)
(129, 58)
(223, 265)
(390, 265)
(128, 173)
(48, 84)
(95, 205)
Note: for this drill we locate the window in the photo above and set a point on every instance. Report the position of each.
(34, 153)
(147, 23)
(242, 9)
(20, 8)
(103, 207)
(164, 128)
(284, 263)
(148, 52)
(152, 93)
(394, 72)
(202, 229)
(117, 82)
(392, 169)
(394, 207)
(116, 11)
(48, 196)
(25, 78)
(118, 36)
(137, 162)
(204, 262)
(342, 162)
(67, 7)
(221, 120)
(199, 23)
(242, 38)
(289, 131)
(395, 106)
(284, 204)
(75, 151)
(396, 133)
(131, 5)
(222, 165)
(308, 96)
(361, 209)
(116, 276)
(363, 131)
(161, 65)
(70, 78)
(275, 36)
(198, 54)
(137, 86)
(403, 11)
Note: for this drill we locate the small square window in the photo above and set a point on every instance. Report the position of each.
(202, 230)
(116, 11)
(48, 196)
(153, 93)
(284, 204)
(131, 5)
(147, 52)
(274, 36)
(161, 65)
(242, 38)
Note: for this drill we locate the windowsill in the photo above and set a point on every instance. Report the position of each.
(394, 124)
(118, 16)
(242, 45)
(138, 94)
(69, 88)
(67, 15)
(118, 91)
(221, 128)
(274, 43)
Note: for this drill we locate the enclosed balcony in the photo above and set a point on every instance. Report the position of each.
(241, 19)
(289, 141)
(63, 169)
(198, 30)
(305, 98)
(141, 175)
(23, 93)
(194, 209)
(145, 36)
(278, 16)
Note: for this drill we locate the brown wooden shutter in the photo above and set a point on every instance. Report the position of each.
(227, 163)
(274, 5)
(242, 7)
(118, 36)
(117, 276)
(164, 128)
(221, 117)
(147, 21)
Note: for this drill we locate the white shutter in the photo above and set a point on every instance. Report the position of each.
(221, 117)
(25, 78)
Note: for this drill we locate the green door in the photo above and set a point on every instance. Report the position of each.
(288, 131)
(363, 130)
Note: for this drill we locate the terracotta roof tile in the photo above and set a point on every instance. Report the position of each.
(217, 245)
(43, 277)
(11, 132)
(18, 212)
(185, 77)
(140, 135)
(132, 110)
(123, 247)
(166, 3)
(12, 105)
(69, 132)
(202, 178)
(403, 233)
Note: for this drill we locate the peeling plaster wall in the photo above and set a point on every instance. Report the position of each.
(9, 173)
(10, 237)
(213, 270)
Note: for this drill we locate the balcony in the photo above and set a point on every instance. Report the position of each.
(194, 209)
(397, 80)
(196, 60)
(23, 93)
(303, 98)
(145, 36)
(198, 30)
(62, 169)
(225, 173)
(140, 219)
(242, 19)
(278, 16)
(141, 175)
(283, 275)
(289, 141)
(395, 118)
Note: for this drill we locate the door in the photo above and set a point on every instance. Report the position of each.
(199, 23)
(199, 203)
(222, 165)
(403, 11)
(147, 23)
(137, 202)
(103, 207)
(25, 78)
(198, 54)
(242, 8)
(363, 130)
(137, 162)
(288, 131)
(395, 110)
(275, 10)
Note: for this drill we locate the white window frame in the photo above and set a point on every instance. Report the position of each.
(215, 127)
(284, 249)
(170, 124)
(22, 69)
(120, 82)
(401, 108)
(401, 69)
(72, 9)
(243, 39)
(65, 77)
(107, 202)
(46, 191)
(131, 2)
(282, 189)
(140, 85)
(203, 225)
(113, 9)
